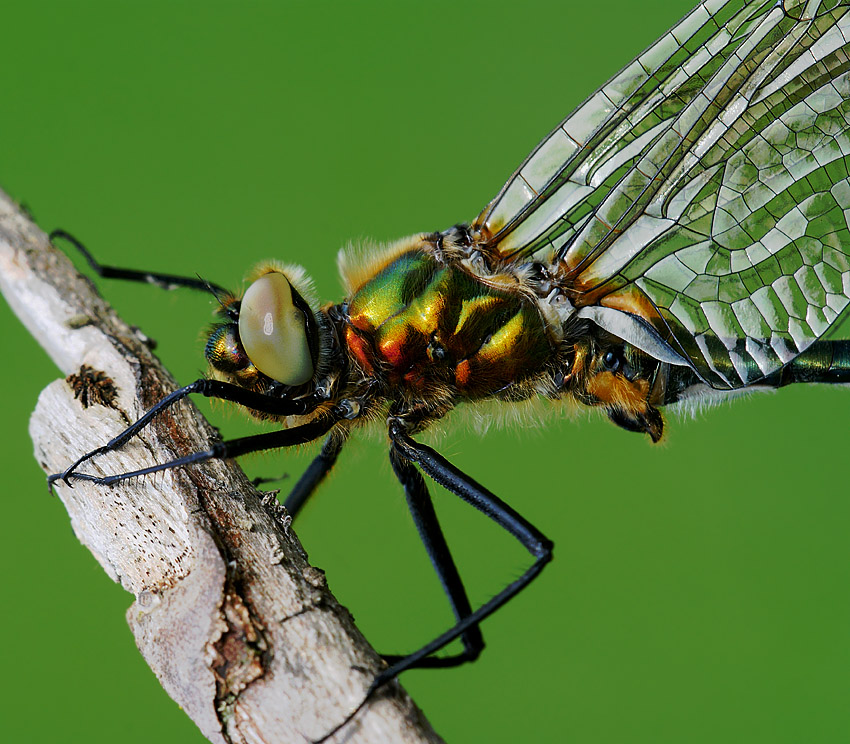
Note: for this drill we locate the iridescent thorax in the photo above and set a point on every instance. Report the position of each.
(420, 323)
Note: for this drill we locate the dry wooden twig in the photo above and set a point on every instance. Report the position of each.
(240, 630)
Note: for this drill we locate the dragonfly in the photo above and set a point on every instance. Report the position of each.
(680, 238)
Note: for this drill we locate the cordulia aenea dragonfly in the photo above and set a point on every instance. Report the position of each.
(682, 236)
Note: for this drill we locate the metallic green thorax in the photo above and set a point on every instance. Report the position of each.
(422, 324)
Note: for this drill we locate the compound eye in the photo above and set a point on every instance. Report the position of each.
(273, 330)
(613, 360)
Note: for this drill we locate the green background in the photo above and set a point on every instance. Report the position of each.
(700, 587)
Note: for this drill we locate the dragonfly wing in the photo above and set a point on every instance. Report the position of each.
(712, 197)
(573, 169)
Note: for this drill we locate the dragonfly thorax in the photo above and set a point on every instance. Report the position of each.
(425, 322)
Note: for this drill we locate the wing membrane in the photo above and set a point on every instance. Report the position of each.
(577, 165)
(711, 197)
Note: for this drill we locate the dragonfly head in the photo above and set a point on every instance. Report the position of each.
(271, 332)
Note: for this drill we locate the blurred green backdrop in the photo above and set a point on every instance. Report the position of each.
(700, 587)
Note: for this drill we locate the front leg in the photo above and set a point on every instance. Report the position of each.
(210, 389)
(295, 435)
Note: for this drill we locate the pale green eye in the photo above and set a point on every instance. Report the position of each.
(274, 332)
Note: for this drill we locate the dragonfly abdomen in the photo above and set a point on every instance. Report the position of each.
(823, 361)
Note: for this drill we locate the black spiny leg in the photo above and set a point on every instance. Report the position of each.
(230, 448)
(210, 389)
(459, 483)
(447, 475)
(166, 281)
(425, 518)
(315, 474)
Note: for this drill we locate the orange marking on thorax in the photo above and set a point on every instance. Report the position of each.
(359, 347)
(618, 391)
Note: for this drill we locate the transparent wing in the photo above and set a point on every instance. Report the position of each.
(705, 188)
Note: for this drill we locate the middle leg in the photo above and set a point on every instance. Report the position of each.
(315, 473)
